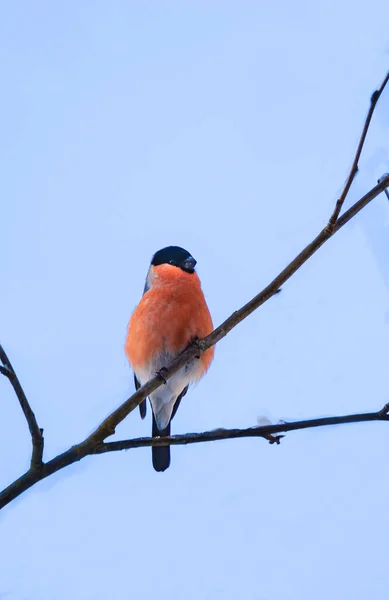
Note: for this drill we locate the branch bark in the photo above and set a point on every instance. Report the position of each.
(266, 431)
(355, 168)
(94, 443)
(73, 455)
(35, 432)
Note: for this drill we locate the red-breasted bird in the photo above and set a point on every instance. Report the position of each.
(170, 315)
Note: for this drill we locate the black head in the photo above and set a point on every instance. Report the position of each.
(174, 255)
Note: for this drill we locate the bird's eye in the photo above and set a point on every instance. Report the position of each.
(172, 262)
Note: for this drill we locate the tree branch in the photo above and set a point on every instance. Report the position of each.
(35, 432)
(354, 168)
(93, 444)
(72, 455)
(265, 431)
(379, 181)
(108, 426)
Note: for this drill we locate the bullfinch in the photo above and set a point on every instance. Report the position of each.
(170, 315)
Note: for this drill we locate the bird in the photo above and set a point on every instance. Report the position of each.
(171, 314)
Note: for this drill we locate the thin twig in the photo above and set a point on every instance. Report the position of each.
(354, 168)
(264, 431)
(35, 432)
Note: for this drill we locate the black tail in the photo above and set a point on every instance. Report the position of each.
(161, 454)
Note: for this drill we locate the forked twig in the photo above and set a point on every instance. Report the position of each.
(35, 432)
(354, 167)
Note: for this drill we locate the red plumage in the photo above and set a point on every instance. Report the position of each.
(170, 315)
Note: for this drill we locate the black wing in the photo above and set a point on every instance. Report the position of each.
(177, 404)
(143, 404)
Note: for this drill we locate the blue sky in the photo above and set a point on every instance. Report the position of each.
(227, 128)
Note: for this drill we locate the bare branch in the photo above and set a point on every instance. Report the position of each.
(107, 427)
(264, 431)
(93, 444)
(381, 179)
(73, 455)
(354, 167)
(36, 433)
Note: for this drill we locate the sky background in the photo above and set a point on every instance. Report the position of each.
(227, 128)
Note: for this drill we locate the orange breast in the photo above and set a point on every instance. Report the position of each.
(168, 317)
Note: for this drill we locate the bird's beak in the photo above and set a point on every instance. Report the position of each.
(189, 264)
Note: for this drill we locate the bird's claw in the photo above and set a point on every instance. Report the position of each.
(196, 343)
(160, 375)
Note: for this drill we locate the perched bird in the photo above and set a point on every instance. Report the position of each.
(170, 315)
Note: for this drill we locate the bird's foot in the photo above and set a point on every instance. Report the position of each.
(160, 374)
(196, 343)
